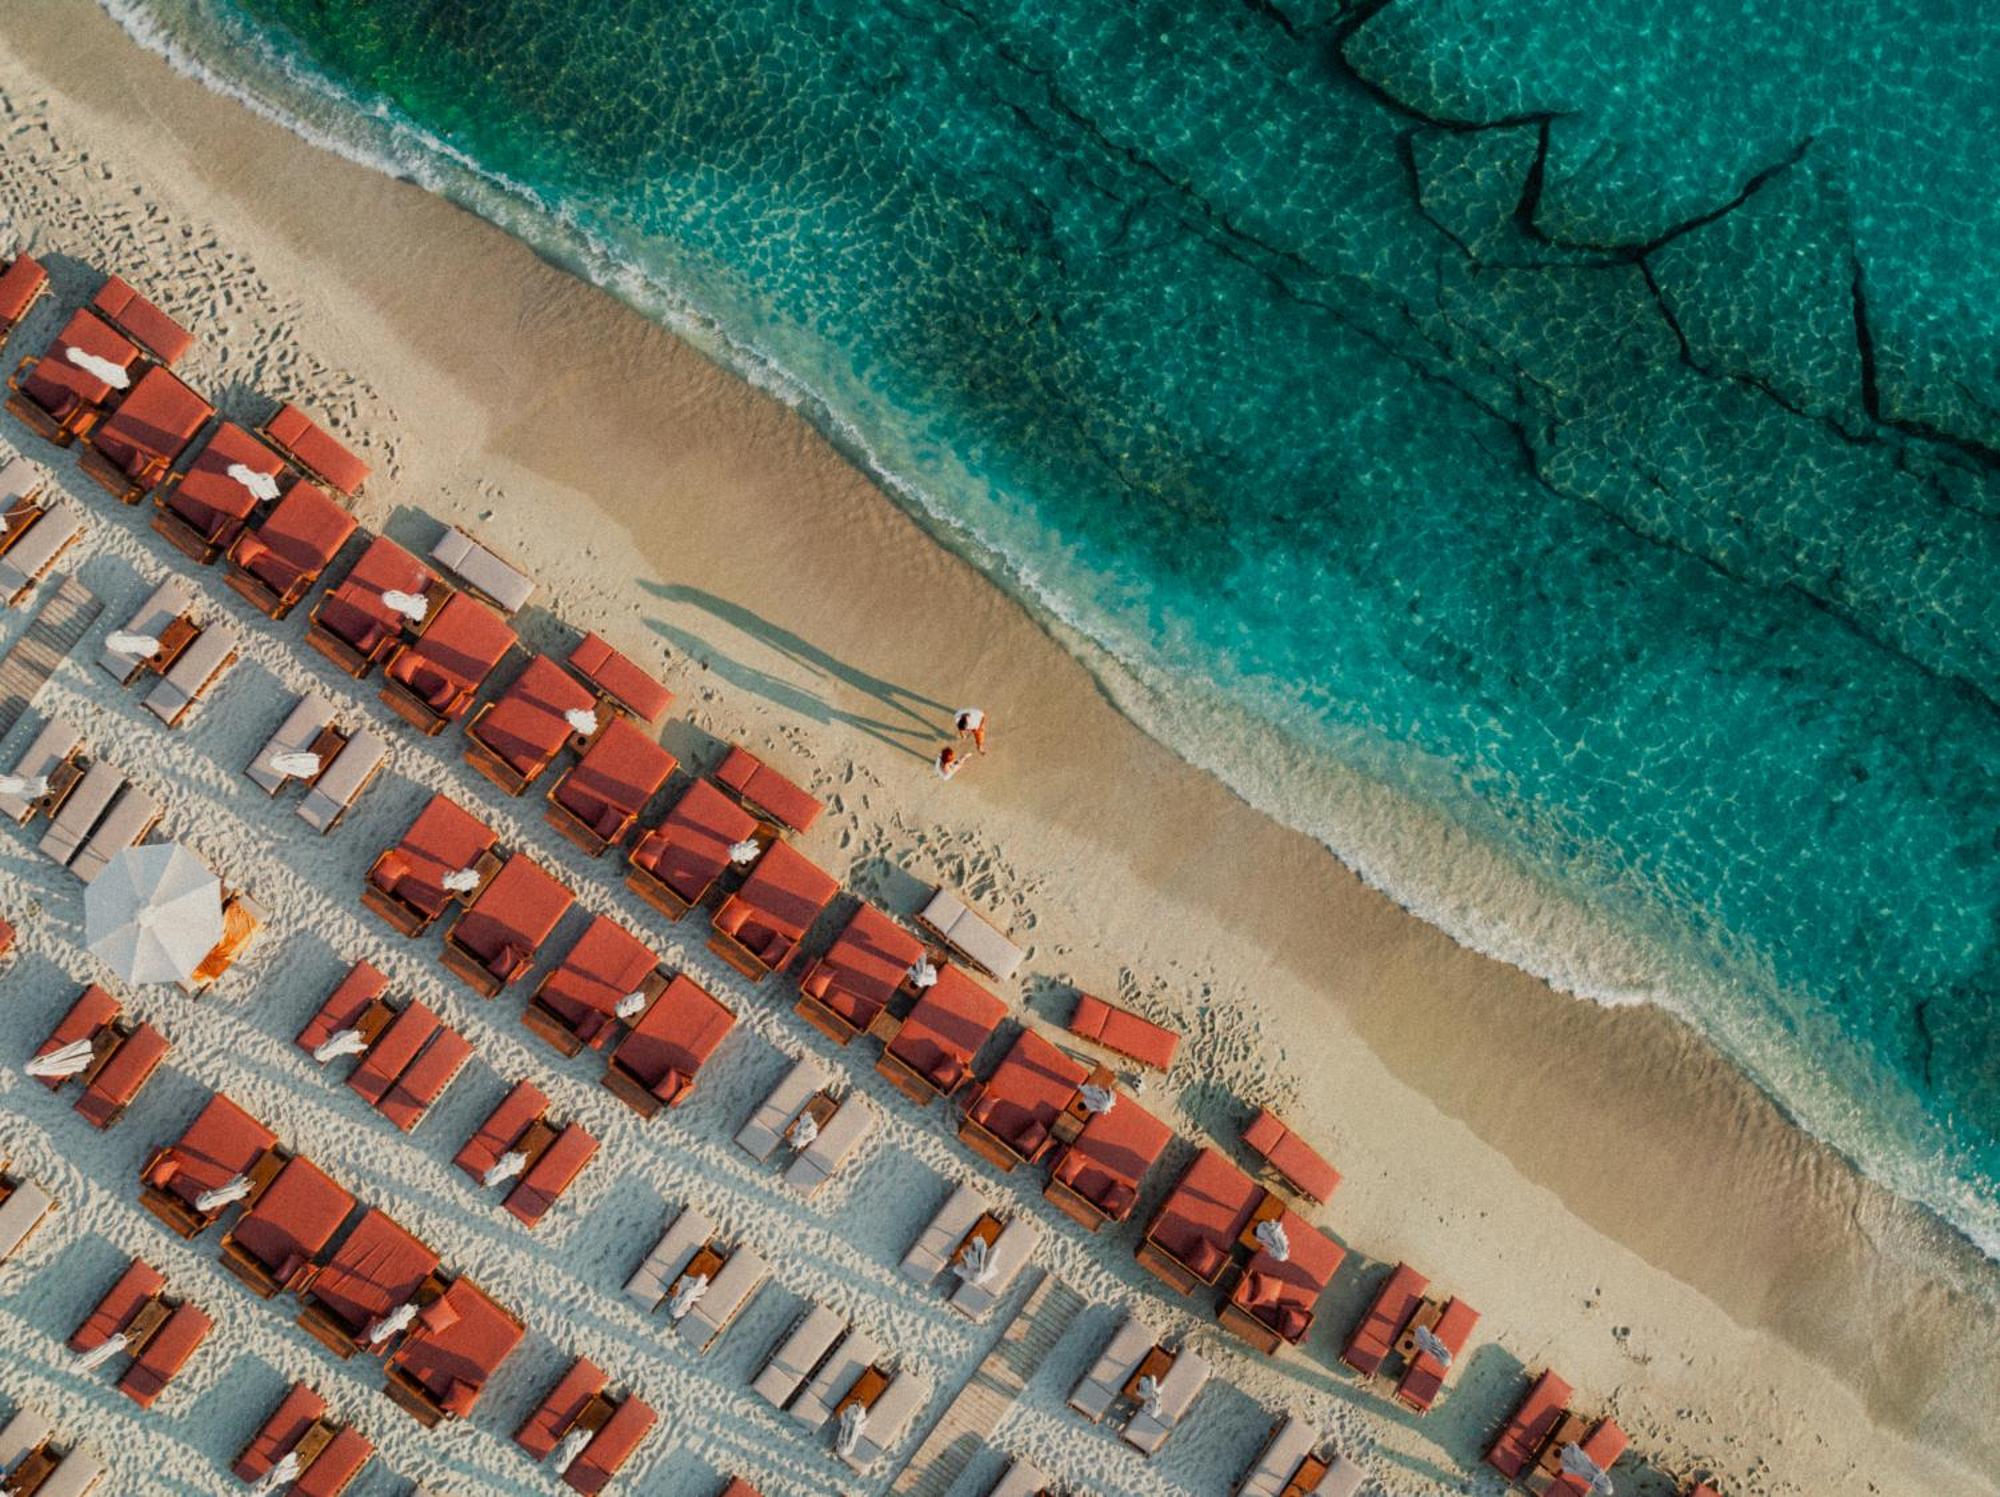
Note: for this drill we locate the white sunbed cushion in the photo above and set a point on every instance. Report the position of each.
(25, 1432)
(37, 549)
(168, 602)
(81, 811)
(1178, 1390)
(58, 739)
(728, 1292)
(1023, 1478)
(760, 1136)
(1096, 1390)
(1291, 1442)
(504, 583)
(941, 1236)
(835, 1376)
(19, 480)
(796, 1356)
(345, 778)
(839, 1138)
(131, 816)
(294, 736)
(683, 1238)
(1009, 1254)
(197, 669)
(79, 1472)
(972, 934)
(20, 1214)
(889, 1419)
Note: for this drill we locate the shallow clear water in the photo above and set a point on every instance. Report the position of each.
(1582, 422)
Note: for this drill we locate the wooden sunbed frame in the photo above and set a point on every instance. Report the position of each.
(180, 1217)
(63, 433)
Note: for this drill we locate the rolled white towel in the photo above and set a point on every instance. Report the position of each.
(33, 787)
(262, 486)
(582, 721)
(631, 1006)
(112, 374)
(688, 1290)
(1276, 1243)
(744, 853)
(461, 880)
(281, 1475)
(69, 1060)
(572, 1446)
(235, 1188)
(1099, 1099)
(396, 1320)
(135, 646)
(340, 1042)
(853, 1420)
(300, 765)
(410, 605)
(506, 1167)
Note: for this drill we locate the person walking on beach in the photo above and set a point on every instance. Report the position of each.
(971, 723)
(948, 762)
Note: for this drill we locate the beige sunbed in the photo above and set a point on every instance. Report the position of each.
(295, 735)
(168, 602)
(34, 555)
(1100, 1387)
(130, 820)
(836, 1375)
(1009, 1254)
(81, 810)
(889, 1418)
(201, 665)
(797, 1355)
(735, 1284)
(683, 1238)
(340, 784)
(54, 746)
(842, 1134)
(766, 1128)
(21, 1211)
(934, 1246)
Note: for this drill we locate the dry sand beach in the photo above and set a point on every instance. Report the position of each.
(1616, 1199)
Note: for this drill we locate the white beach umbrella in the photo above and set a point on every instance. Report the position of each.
(153, 914)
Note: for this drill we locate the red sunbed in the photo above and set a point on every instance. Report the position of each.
(430, 683)
(398, 1044)
(1530, 1427)
(135, 1289)
(758, 928)
(352, 626)
(553, 1171)
(1425, 1374)
(576, 1005)
(424, 1080)
(494, 942)
(843, 992)
(674, 865)
(120, 304)
(221, 1143)
(61, 399)
(120, 1079)
(520, 1108)
(1096, 1178)
(596, 803)
(314, 450)
(1291, 1156)
(456, 1345)
(131, 451)
(1275, 1301)
(612, 1446)
(931, 1055)
(276, 565)
(1011, 1118)
(408, 1065)
(405, 885)
(1124, 1031)
(620, 679)
(516, 736)
(1603, 1445)
(1196, 1228)
(560, 1408)
(345, 1007)
(165, 1353)
(767, 792)
(656, 1063)
(296, 1413)
(342, 1451)
(379, 1268)
(1375, 1337)
(204, 509)
(94, 1010)
(22, 284)
(285, 1227)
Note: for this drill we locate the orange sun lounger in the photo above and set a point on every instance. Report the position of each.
(314, 451)
(23, 283)
(576, 1005)
(758, 928)
(931, 1053)
(1122, 1030)
(284, 1228)
(354, 627)
(330, 1454)
(620, 680)
(203, 509)
(1096, 1177)
(518, 734)
(844, 991)
(276, 563)
(656, 1064)
(430, 682)
(494, 942)
(161, 1331)
(408, 1056)
(123, 1056)
(1011, 1118)
(767, 793)
(380, 1267)
(222, 1143)
(1530, 1426)
(552, 1156)
(458, 1341)
(1297, 1161)
(1424, 1371)
(121, 305)
(1197, 1228)
(405, 884)
(61, 399)
(131, 451)
(596, 804)
(675, 864)
(580, 1402)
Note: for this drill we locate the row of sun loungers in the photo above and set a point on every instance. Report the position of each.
(94, 811)
(109, 1057)
(827, 1372)
(1145, 1385)
(1123, 1032)
(1549, 1448)
(164, 640)
(521, 1147)
(803, 1113)
(158, 1331)
(35, 1467)
(33, 533)
(1405, 1331)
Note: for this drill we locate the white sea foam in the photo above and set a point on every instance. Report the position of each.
(1471, 888)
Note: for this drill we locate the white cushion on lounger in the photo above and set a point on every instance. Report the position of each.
(31, 557)
(337, 789)
(889, 1419)
(687, 1235)
(20, 1214)
(836, 1375)
(200, 664)
(971, 935)
(81, 811)
(168, 602)
(294, 736)
(1291, 1442)
(774, 1114)
(58, 739)
(24, 1433)
(503, 583)
(79, 1472)
(1178, 1389)
(796, 1356)
(728, 1292)
(1009, 1254)
(19, 480)
(816, 1163)
(131, 816)
(934, 1246)
(1098, 1388)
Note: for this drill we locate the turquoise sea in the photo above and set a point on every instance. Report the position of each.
(1577, 427)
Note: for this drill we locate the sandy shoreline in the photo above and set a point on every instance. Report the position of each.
(1615, 1198)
